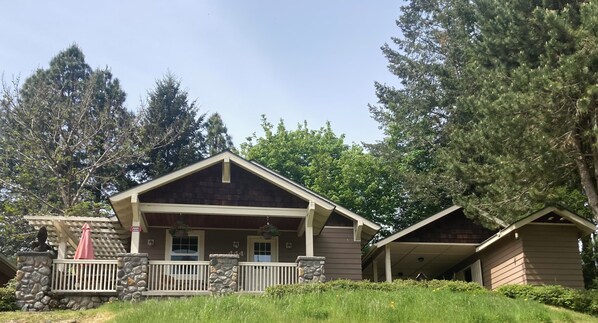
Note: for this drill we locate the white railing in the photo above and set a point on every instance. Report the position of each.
(256, 276)
(178, 277)
(76, 276)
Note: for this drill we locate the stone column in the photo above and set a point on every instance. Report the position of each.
(224, 273)
(311, 269)
(132, 276)
(34, 270)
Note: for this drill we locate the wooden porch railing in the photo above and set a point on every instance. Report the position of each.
(256, 276)
(83, 276)
(166, 277)
(178, 277)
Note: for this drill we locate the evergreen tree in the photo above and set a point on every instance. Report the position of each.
(497, 105)
(170, 116)
(217, 137)
(429, 60)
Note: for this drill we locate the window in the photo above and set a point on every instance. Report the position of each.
(189, 248)
(262, 250)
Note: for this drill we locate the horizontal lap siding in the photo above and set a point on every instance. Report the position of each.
(552, 255)
(155, 252)
(343, 255)
(502, 263)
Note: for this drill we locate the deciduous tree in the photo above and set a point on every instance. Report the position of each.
(64, 136)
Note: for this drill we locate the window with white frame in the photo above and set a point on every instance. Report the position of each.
(188, 248)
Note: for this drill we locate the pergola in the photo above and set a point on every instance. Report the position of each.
(108, 236)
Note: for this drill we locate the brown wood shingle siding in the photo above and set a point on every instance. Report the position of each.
(552, 255)
(343, 255)
(502, 263)
(453, 228)
(206, 187)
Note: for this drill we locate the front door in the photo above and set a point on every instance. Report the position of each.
(257, 277)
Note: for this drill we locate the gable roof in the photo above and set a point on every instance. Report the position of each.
(585, 226)
(416, 226)
(121, 202)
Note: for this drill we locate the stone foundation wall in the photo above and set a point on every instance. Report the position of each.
(79, 302)
(132, 276)
(33, 281)
(311, 269)
(224, 273)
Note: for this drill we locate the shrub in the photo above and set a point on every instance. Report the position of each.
(7, 298)
(580, 301)
(349, 285)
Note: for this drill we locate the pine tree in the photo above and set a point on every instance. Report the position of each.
(217, 137)
(171, 116)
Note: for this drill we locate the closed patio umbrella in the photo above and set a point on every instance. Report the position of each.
(85, 246)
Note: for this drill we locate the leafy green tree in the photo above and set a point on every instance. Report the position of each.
(174, 124)
(64, 135)
(217, 137)
(322, 162)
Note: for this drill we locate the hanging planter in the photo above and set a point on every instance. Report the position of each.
(268, 231)
(179, 230)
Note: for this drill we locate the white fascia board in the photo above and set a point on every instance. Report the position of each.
(579, 222)
(418, 225)
(357, 218)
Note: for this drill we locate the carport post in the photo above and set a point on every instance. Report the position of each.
(388, 267)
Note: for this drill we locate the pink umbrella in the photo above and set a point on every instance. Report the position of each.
(85, 246)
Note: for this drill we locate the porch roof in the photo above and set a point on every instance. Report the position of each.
(123, 202)
(108, 236)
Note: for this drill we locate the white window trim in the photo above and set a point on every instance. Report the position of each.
(252, 239)
(200, 234)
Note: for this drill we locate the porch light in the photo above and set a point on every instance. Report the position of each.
(420, 259)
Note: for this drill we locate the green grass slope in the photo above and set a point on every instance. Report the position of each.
(410, 304)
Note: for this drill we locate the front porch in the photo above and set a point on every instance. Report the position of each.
(166, 278)
(43, 283)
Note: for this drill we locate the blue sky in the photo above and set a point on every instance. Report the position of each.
(295, 60)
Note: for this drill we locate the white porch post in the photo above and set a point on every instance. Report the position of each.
(375, 269)
(387, 265)
(62, 248)
(309, 230)
(136, 225)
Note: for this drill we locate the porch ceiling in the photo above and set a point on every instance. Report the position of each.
(219, 222)
(437, 258)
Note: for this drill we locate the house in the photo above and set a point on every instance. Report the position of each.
(8, 270)
(216, 207)
(541, 248)
(226, 224)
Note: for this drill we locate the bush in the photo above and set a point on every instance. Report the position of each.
(7, 298)
(349, 285)
(577, 300)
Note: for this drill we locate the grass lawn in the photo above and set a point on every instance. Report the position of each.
(412, 304)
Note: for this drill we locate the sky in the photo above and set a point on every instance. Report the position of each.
(313, 61)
